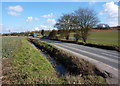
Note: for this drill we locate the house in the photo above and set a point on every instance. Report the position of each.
(103, 26)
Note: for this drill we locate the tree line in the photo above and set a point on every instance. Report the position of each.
(28, 33)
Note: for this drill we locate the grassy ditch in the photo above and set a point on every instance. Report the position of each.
(79, 69)
(27, 66)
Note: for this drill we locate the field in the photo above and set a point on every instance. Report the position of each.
(102, 37)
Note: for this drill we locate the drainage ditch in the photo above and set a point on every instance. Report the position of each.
(61, 71)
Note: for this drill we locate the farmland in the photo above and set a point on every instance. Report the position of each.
(101, 37)
(104, 37)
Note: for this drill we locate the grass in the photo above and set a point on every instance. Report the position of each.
(104, 37)
(28, 66)
(84, 71)
(10, 45)
(109, 38)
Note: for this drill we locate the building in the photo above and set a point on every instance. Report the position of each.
(103, 26)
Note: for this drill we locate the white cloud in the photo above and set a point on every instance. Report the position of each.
(36, 19)
(51, 21)
(12, 13)
(48, 15)
(111, 13)
(17, 8)
(36, 29)
(92, 2)
(29, 19)
(45, 27)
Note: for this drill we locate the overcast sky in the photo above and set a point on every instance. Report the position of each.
(29, 16)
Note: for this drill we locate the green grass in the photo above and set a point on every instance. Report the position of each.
(10, 45)
(30, 67)
(109, 38)
(69, 61)
(104, 37)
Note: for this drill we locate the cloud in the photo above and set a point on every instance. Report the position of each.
(29, 19)
(92, 2)
(36, 29)
(51, 21)
(36, 19)
(43, 27)
(17, 8)
(12, 13)
(111, 13)
(48, 15)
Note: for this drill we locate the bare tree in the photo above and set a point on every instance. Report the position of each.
(65, 23)
(86, 19)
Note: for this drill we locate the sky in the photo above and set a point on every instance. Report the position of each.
(34, 16)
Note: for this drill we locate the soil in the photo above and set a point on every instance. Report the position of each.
(6, 68)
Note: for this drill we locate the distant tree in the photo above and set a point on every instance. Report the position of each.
(42, 32)
(86, 19)
(52, 34)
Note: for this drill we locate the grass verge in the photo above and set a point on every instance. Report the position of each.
(28, 66)
(82, 71)
(10, 45)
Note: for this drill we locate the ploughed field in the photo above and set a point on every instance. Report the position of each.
(24, 64)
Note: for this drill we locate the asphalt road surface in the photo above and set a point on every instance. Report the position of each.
(104, 59)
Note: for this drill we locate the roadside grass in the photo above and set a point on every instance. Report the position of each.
(109, 38)
(10, 45)
(28, 66)
(81, 71)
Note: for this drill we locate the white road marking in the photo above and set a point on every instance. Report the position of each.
(112, 60)
(115, 52)
(109, 55)
(99, 64)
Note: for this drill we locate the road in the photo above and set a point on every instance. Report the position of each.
(104, 59)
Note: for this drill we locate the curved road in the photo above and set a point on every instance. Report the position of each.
(104, 59)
